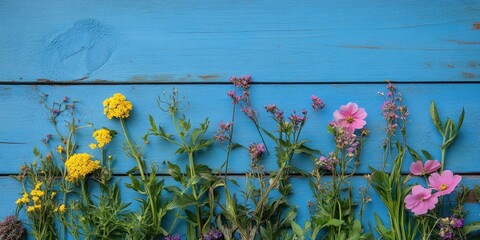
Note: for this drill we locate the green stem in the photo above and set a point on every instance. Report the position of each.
(132, 150)
(86, 198)
(270, 188)
(194, 191)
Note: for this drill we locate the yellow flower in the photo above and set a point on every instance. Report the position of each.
(30, 209)
(37, 193)
(117, 106)
(19, 201)
(59, 149)
(62, 208)
(37, 206)
(79, 165)
(53, 194)
(92, 145)
(38, 185)
(35, 198)
(102, 136)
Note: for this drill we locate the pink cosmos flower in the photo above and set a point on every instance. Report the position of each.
(350, 117)
(417, 168)
(421, 200)
(444, 183)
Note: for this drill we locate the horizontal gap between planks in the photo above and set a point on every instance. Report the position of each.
(242, 174)
(106, 83)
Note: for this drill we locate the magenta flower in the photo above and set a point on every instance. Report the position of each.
(350, 117)
(444, 183)
(421, 200)
(417, 168)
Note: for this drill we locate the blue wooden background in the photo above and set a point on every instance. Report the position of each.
(340, 51)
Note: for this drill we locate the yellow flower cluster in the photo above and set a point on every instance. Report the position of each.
(60, 209)
(117, 106)
(79, 165)
(36, 194)
(23, 199)
(102, 136)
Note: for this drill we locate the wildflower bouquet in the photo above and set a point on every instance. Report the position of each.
(435, 215)
(333, 209)
(58, 200)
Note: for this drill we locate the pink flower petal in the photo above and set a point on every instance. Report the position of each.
(417, 168)
(432, 166)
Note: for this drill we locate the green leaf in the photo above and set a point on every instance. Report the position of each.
(36, 152)
(153, 125)
(427, 155)
(476, 190)
(175, 172)
(460, 121)
(333, 222)
(270, 135)
(414, 154)
(297, 229)
(472, 227)
(435, 118)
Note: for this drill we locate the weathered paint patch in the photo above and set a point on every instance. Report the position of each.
(476, 25)
(79, 51)
(469, 75)
(463, 42)
(206, 77)
(145, 78)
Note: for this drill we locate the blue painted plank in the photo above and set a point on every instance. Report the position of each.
(25, 122)
(208, 41)
(302, 194)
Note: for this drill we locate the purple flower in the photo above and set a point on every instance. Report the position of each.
(223, 132)
(256, 150)
(212, 234)
(243, 82)
(317, 103)
(327, 163)
(458, 222)
(175, 237)
(250, 113)
(272, 108)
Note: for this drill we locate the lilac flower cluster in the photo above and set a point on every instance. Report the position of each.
(47, 138)
(212, 234)
(244, 100)
(327, 163)
(345, 139)
(297, 120)
(276, 113)
(256, 150)
(448, 225)
(317, 103)
(223, 132)
(392, 109)
(175, 237)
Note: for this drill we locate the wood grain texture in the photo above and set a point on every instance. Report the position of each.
(208, 41)
(27, 120)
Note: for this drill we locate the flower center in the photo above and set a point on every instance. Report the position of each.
(443, 187)
(350, 119)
